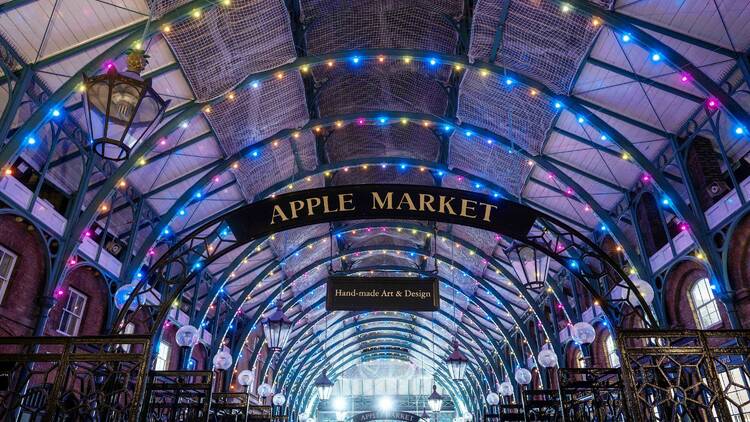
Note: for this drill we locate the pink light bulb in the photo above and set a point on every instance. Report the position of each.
(685, 77)
(712, 103)
(645, 177)
(569, 191)
(683, 226)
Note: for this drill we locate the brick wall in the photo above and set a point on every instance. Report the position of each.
(649, 222)
(739, 269)
(19, 308)
(677, 296)
(91, 283)
(704, 169)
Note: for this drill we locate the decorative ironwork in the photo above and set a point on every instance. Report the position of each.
(84, 378)
(177, 396)
(541, 405)
(687, 374)
(592, 394)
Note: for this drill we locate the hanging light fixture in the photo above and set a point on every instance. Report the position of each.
(435, 401)
(529, 264)
(324, 386)
(456, 362)
(424, 417)
(121, 108)
(276, 328)
(245, 379)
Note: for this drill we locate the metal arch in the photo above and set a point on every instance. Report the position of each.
(294, 372)
(322, 261)
(379, 319)
(312, 370)
(469, 332)
(678, 61)
(313, 60)
(452, 388)
(540, 160)
(415, 316)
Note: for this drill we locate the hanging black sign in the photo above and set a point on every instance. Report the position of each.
(382, 294)
(400, 202)
(385, 416)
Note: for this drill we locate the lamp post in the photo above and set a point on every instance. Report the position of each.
(186, 337)
(222, 361)
(529, 264)
(456, 363)
(276, 327)
(121, 109)
(324, 386)
(435, 402)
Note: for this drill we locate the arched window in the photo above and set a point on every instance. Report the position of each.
(610, 349)
(705, 308)
(580, 362)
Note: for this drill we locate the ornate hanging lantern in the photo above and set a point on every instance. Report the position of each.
(121, 108)
(456, 362)
(277, 328)
(435, 401)
(529, 264)
(324, 386)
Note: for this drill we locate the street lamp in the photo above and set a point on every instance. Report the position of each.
(121, 109)
(324, 386)
(186, 337)
(435, 401)
(245, 379)
(276, 328)
(529, 264)
(456, 362)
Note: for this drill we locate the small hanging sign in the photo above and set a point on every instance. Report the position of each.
(382, 294)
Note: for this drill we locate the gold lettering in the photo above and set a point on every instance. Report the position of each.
(344, 200)
(406, 198)
(424, 203)
(378, 202)
(296, 206)
(312, 203)
(326, 209)
(446, 205)
(487, 209)
(465, 207)
(277, 212)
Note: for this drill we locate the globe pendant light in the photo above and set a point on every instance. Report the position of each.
(186, 336)
(456, 362)
(121, 109)
(276, 328)
(264, 390)
(547, 358)
(222, 360)
(245, 379)
(435, 401)
(278, 399)
(506, 388)
(324, 386)
(523, 376)
(583, 333)
(492, 398)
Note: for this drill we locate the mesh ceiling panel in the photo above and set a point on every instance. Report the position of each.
(375, 86)
(256, 114)
(334, 26)
(377, 175)
(511, 112)
(482, 239)
(273, 164)
(354, 141)
(537, 40)
(226, 44)
(320, 9)
(285, 242)
(490, 161)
